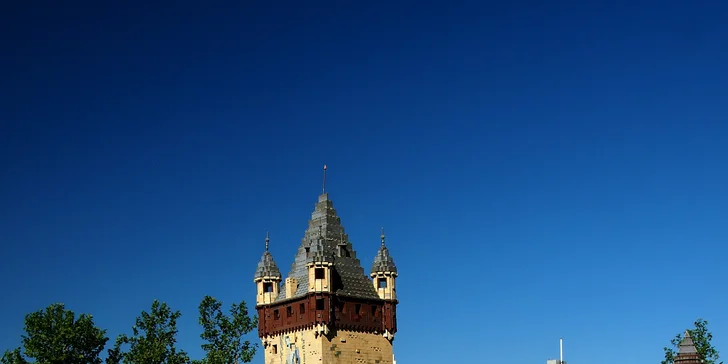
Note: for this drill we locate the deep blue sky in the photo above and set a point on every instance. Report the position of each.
(542, 169)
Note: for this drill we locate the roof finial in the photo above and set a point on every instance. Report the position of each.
(382, 236)
(267, 241)
(323, 189)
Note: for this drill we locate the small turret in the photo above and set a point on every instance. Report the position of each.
(384, 272)
(267, 277)
(319, 263)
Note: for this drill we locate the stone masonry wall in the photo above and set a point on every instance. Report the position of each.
(347, 347)
(350, 347)
(304, 343)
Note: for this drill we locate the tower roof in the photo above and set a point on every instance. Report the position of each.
(687, 346)
(267, 266)
(325, 239)
(383, 262)
(318, 252)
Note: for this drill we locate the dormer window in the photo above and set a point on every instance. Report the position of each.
(343, 251)
(308, 251)
(382, 282)
(319, 273)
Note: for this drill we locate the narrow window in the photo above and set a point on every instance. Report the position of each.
(302, 308)
(320, 273)
(374, 311)
(308, 251)
(382, 282)
(319, 303)
(276, 314)
(267, 287)
(275, 349)
(357, 309)
(289, 311)
(343, 252)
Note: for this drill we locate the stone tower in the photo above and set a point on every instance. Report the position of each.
(686, 352)
(327, 310)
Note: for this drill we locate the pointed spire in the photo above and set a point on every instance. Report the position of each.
(687, 346)
(319, 244)
(383, 262)
(267, 266)
(323, 189)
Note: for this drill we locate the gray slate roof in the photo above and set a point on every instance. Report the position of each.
(383, 262)
(267, 266)
(324, 236)
(687, 346)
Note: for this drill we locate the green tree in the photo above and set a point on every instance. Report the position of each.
(224, 334)
(153, 339)
(55, 336)
(13, 357)
(701, 338)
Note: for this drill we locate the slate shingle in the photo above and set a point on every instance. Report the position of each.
(325, 238)
(267, 266)
(383, 262)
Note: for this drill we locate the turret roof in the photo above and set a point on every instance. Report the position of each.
(267, 266)
(383, 262)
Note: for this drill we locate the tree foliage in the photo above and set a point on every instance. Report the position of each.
(13, 357)
(224, 334)
(701, 338)
(153, 339)
(55, 336)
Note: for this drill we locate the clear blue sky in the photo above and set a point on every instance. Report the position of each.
(542, 169)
